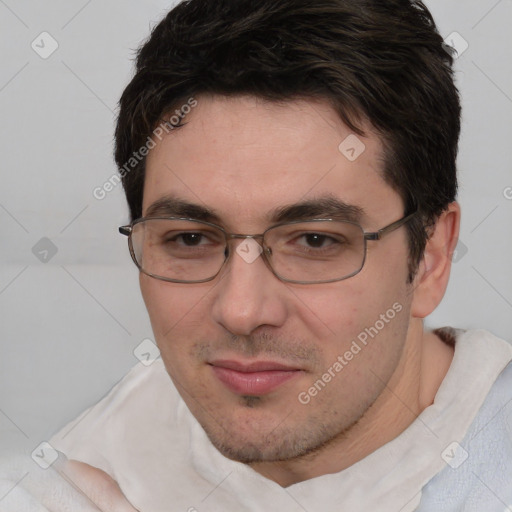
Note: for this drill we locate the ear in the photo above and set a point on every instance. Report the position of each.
(434, 269)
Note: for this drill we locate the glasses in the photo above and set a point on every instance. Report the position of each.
(183, 250)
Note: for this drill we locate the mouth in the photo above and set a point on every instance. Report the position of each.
(255, 378)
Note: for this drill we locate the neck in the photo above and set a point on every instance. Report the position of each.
(412, 388)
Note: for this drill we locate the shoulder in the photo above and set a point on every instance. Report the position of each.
(144, 396)
(479, 477)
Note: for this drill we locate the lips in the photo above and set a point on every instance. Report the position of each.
(254, 378)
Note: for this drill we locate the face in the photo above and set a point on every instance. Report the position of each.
(275, 370)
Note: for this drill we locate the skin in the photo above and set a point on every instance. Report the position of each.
(242, 157)
(103, 492)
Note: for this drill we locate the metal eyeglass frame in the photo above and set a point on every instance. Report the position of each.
(267, 251)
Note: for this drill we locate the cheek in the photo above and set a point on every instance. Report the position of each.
(177, 318)
(370, 305)
(342, 310)
(173, 309)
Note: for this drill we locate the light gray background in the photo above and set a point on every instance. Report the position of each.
(69, 326)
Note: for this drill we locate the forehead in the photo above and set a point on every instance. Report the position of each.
(244, 157)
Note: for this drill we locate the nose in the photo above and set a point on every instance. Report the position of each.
(248, 295)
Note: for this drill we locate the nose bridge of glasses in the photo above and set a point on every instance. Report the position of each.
(259, 238)
(240, 236)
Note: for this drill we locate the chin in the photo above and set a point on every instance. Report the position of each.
(258, 451)
(283, 442)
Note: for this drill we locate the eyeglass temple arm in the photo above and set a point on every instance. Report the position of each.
(377, 235)
(125, 230)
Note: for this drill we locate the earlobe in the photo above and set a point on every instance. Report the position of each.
(434, 269)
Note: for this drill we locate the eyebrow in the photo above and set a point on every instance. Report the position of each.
(327, 207)
(169, 206)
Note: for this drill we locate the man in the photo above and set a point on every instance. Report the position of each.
(290, 172)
